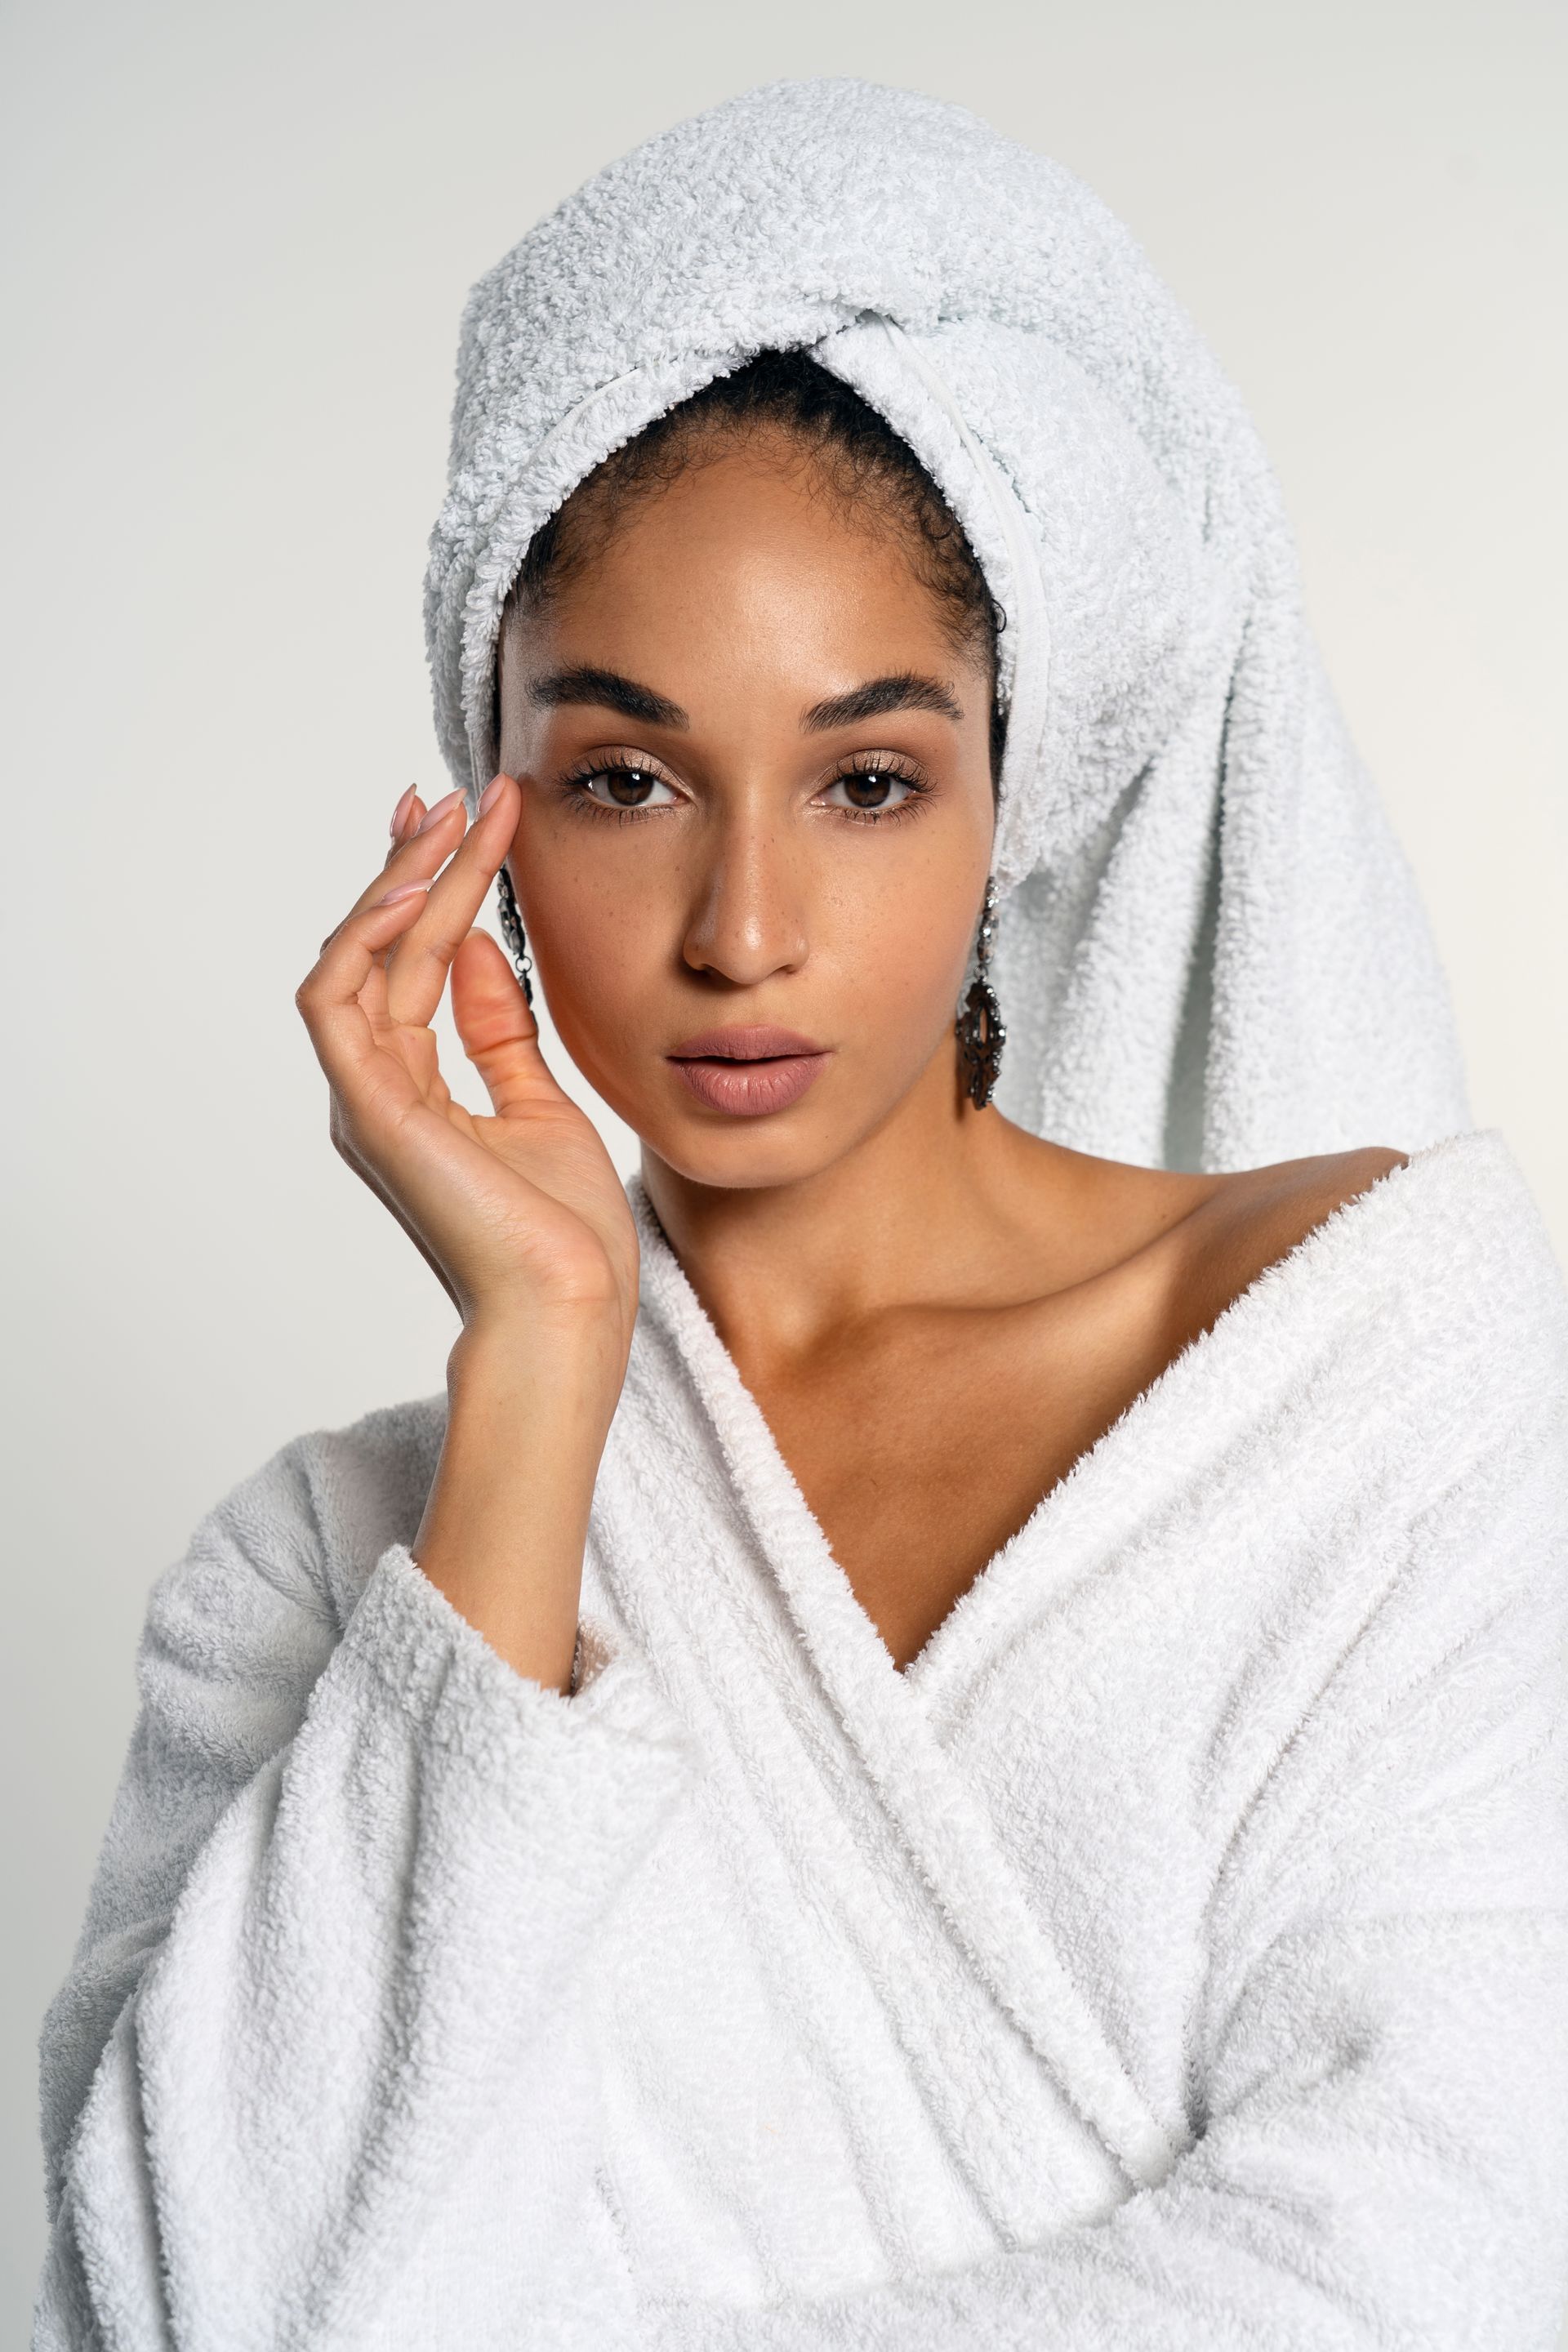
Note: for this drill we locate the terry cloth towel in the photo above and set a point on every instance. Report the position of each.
(1211, 953)
(1171, 1961)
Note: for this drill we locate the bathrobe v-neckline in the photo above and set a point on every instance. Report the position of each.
(895, 1720)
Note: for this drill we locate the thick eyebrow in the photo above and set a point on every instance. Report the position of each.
(610, 691)
(904, 692)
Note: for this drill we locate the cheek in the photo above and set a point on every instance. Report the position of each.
(597, 943)
(900, 938)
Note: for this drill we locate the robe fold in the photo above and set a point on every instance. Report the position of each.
(1174, 1956)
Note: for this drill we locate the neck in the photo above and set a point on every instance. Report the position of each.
(935, 1206)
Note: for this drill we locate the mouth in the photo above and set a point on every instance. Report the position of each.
(748, 1072)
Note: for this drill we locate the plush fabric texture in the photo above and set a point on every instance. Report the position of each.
(1172, 1957)
(1211, 953)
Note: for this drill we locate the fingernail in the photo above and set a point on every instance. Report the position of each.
(492, 793)
(434, 817)
(400, 814)
(404, 891)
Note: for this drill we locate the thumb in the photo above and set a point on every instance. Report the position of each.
(499, 1033)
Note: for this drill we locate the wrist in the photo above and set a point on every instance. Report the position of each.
(568, 1368)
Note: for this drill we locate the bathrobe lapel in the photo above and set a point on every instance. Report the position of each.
(1030, 2042)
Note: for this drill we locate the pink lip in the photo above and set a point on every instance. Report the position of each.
(748, 1072)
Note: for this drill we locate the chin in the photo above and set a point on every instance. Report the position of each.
(750, 1156)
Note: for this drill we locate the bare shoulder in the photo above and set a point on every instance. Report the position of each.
(1254, 1216)
(1182, 1243)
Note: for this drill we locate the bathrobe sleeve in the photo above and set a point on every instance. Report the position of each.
(352, 1872)
(1380, 2058)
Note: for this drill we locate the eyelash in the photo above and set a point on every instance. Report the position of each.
(574, 784)
(873, 763)
(580, 801)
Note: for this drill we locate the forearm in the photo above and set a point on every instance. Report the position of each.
(355, 1947)
(506, 1520)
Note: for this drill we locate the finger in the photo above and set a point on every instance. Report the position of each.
(329, 1000)
(420, 1055)
(428, 840)
(497, 1031)
(416, 973)
(416, 859)
(406, 819)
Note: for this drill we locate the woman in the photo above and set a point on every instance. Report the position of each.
(946, 1736)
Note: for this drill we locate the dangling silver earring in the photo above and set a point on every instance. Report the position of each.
(982, 1031)
(511, 932)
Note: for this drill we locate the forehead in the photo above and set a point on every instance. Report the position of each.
(754, 551)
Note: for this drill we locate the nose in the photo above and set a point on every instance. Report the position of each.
(748, 918)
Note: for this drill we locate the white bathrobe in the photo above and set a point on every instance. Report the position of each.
(1174, 1956)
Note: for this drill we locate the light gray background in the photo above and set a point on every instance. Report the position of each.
(239, 238)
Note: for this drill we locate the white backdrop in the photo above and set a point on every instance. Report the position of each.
(238, 238)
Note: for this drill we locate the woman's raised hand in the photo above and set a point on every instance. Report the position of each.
(521, 1214)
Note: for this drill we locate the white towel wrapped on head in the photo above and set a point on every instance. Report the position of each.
(1212, 954)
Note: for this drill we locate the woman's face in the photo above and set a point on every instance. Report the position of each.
(756, 821)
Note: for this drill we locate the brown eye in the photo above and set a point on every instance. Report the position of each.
(878, 791)
(626, 788)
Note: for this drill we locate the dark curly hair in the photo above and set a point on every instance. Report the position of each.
(859, 458)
